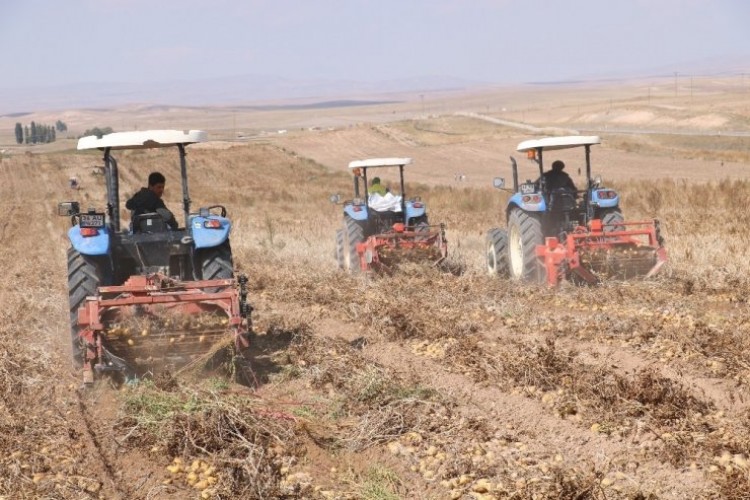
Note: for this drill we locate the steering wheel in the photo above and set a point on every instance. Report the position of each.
(223, 209)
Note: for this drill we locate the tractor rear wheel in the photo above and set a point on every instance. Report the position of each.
(340, 248)
(524, 234)
(85, 274)
(612, 216)
(353, 234)
(216, 263)
(421, 226)
(419, 222)
(497, 252)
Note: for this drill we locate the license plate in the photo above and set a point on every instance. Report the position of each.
(91, 220)
(527, 188)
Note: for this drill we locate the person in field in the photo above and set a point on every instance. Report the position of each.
(376, 187)
(557, 179)
(148, 199)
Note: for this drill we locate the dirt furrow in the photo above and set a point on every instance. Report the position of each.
(528, 421)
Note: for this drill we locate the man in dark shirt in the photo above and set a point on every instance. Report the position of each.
(148, 200)
(557, 179)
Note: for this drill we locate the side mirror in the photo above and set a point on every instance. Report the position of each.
(498, 183)
(68, 208)
(335, 199)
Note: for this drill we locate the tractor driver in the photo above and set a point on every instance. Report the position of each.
(557, 179)
(148, 200)
(376, 187)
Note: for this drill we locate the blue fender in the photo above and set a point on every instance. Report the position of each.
(517, 200)
(209, 237)
(609, 202)
(90, 245)
(358, 213)
(412, 211)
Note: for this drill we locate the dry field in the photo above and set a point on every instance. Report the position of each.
(422, 385)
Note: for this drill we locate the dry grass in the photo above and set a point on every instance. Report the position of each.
(247, 441)
(715, 148)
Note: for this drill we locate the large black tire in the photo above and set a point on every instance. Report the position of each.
(340, 248)
(353, 234)
(85, 275)
(524, 234)
(419, 221)
(216, 263)
(421, 225)
(611, 216)
(497, 252)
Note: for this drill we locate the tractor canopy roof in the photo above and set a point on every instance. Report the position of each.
(143, 139)
(379, 162)
(570, 141)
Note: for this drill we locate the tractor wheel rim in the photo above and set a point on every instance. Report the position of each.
(515, 244)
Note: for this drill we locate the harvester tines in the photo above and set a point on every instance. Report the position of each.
(624, 250)
(384, 252)
(158, 321)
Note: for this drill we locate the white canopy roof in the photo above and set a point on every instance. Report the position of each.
(379, 162)
(570, 141)
(142, 139)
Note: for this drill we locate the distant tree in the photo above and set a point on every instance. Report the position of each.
(98, 131)
(60, 126)
(36, 133)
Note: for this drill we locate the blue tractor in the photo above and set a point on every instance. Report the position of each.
(149, 270)
(381, 230)
(555, 233)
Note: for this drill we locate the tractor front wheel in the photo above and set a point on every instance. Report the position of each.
(524, 234)
(85, 274)
(497, 252)
(353, 234)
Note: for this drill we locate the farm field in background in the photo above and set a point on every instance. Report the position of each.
(420, 385)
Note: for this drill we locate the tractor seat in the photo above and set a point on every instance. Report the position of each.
(150, 222)
(562, 200)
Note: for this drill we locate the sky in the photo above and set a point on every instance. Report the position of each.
(52, 43)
